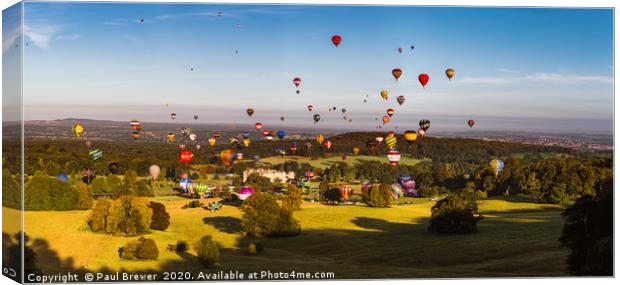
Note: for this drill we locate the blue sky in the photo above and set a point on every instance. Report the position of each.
(99, 61)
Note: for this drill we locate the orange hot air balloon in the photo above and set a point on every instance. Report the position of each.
(258, 126)
(320, 139)
(336, 40)
(227, 156)
(397, 72)
(386, 119)
(423, 78)
(449, 73)
(212, 141)
(384, 94)
(356, 151)
(390, 112)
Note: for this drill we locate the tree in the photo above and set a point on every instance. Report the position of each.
(208, 251)
(128, 186)
(323, 187)
(129, 215)
(293, 198)
(99, 185)
(588, 232)
(161, 219)
(113, 185)
(84, 201)
(142, 248)
(380, 196)
(455, 214)
(263, 216)
(98, 219)
(11, 194)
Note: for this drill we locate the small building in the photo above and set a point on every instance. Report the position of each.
(269, 173)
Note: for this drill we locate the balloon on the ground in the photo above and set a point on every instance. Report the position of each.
(245, 192)
(408, 185)
(345, 191)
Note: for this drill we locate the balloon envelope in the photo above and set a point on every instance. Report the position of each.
(154, 171)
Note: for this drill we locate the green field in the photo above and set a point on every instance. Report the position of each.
(516, 238)
(328, 161)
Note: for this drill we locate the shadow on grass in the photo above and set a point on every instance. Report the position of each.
(226, 224)
(504, 246)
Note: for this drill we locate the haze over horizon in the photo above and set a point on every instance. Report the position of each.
(516, 69)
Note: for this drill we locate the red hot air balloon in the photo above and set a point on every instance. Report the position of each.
(393, 156)
(390, 112)
(185, 156)
(258, 126)
(423, 78)
(336, 40)
(297, 81)
(400, 50)
(471, 123)
(397, 72)
(328, 144)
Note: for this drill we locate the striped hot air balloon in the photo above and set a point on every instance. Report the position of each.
(345, 191)
(95, 154)
(390, 140)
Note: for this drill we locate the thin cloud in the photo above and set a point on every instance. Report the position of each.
(68, 37)
(41, 35)
(540, 77)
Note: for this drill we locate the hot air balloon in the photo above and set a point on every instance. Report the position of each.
(77, 130)
(233, 141)
(245, 192)
(226, 156)
(471, 123)
(345, 156)
(297, 81)
(113, 167)
(181, 146)
(170, 137)
(411, 136)
(95, 154)
(328, 144)
(421, 133)
(379, 139)
(423, 78)
(280, 134)
(88, 174)
(320, 139)
(385, 119)
(219, 14)
(258, 126)
(245, 135)
(309, 175)
(390, 112)
(397, 72)
(407, 184)
(343, 110)
(293, 147)
(384, 94)
(154, 171)
(425, 124)
(250, 112)
(356, 151)
(390, 140)
(135, 124)
(497, 165)
(239, 156)
(173, 116)
(185, 156)
(246, 142)
(400, 50)
(198, 146)
(449, 73)
(269, 137)
(316, 118)
(345, 191)
(62, 177)
(282, 119)
(135, 135)
(88, 143)
(256, 157)
(193, 136)
(216, 136)
(396, 191)
(393, 156)
(195, 117)
(400, 99)
(211, 141)
(186, 131)
(412, 47)
(336, 40)
(310, 107)
(370, 145)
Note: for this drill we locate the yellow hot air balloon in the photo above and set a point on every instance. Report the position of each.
(246, 142)
(384, 94)
(320, 139)
(390, 140)
(77, 130)
(356, 151)
(449, 73)
(411, 136)
(212, 141)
